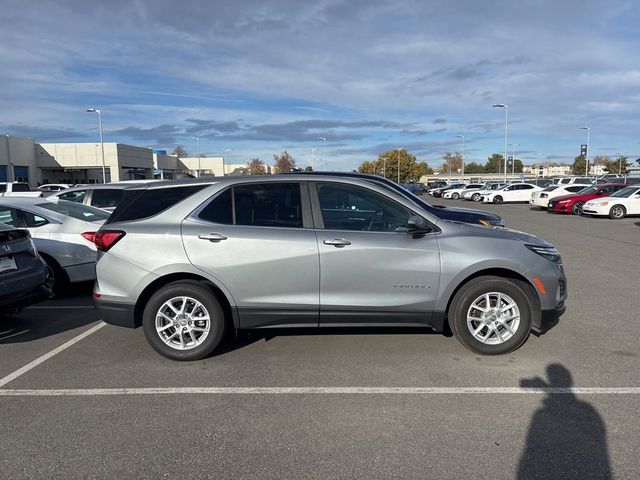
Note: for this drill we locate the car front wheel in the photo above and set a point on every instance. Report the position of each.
(491, 315)
(475, 197)
(497, 199)
(577, 208)
(455, 196)
(617, 212)
(183, 321)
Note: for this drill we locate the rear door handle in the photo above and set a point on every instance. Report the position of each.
(337, 242)
(212, 237)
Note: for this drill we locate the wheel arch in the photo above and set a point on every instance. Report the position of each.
(502, 273)
(55, 266)
(228, 307)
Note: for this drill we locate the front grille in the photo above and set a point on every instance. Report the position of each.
(563, 288)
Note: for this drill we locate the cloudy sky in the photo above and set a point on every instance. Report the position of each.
(252, 78)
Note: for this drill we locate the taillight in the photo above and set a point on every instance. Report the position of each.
(91, 236)
(105, 239)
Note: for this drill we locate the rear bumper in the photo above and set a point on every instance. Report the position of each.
(115, 313)
(27, 291)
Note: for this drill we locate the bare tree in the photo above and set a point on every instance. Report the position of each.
(284, 162)
(257, 167)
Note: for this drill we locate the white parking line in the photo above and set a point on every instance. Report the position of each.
(47, 356)
(321, 390)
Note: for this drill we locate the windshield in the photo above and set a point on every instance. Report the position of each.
(586, 190)
(76, 210)
(625, 192)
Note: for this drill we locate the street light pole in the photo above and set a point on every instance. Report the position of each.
(325, 150)
(462, 166)
(104, 170)
(506, 134)
(513, 159)
(398, 157)
(586, 163)
(197, 139)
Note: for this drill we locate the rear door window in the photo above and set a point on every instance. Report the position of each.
(9, 216)
(106, 197)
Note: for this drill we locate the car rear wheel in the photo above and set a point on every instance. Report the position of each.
(497, 199)
(475, 197)
(491, 315)
(617, 212)
(455, 196)
(577, 208)
(183, 321)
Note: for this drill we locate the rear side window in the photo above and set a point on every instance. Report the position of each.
(139, 204)
(261, 205)
(106, 197)
(21, 187)
(575, 189)
(75, 196)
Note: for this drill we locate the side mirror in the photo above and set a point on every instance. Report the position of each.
(599, 193)
(418, 226)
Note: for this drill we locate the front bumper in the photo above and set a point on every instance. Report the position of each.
(560, 207)
(595, 210)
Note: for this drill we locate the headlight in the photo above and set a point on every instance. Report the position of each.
(564, 201)
(550, 253)
(604, 204)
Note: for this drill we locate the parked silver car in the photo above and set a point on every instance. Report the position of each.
(189, 260)
(62, 231)
(100, 195)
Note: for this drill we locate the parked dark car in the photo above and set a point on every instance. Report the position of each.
(438, 192)
(466, 215)
(24, 276)
(415, 188)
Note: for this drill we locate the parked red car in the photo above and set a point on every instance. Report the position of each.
(574, 203)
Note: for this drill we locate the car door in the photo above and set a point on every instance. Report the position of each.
(523, 192)
(634, 203)
(257, 240)
(371, 270)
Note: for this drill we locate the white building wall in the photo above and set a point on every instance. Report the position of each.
(20, 152)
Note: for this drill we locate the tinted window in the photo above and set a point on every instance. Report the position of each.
(345, 207)
(268, 205)
(75, 210)
(219, 210)
(8, 216)
(21, 187)
(75, 196)
(137, 204)
(3, 188)
(526, 187)
(575, 189)
(106, 197)
(31, 220)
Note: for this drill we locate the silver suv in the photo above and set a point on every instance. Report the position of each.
(191, 260)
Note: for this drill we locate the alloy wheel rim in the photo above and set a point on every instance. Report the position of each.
(617, 212)
(183, 323)
(493, 318)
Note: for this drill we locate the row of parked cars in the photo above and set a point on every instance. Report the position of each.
(573, 195)
(191, 260)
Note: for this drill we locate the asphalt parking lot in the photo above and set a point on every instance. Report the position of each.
(360, 404)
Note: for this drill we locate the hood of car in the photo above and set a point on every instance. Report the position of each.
(466, 215)
(507, 234)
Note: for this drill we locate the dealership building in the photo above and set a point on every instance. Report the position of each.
(24, 160)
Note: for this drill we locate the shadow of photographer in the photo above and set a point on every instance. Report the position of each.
(567, 438)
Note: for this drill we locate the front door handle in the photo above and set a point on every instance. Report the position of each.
(337, 242)
(212, 237)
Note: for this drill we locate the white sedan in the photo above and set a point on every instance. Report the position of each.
(516, 192)
(620, 204)
(456, 193)
(476, 195)
(541, 199)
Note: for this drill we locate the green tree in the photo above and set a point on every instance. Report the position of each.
(257, 167)
(618, 165)
(578, 167)
(453, 160)
(518, 166)
(284, 162)
(473, 167)
(495, 164)
(389, 163)
(180, 152)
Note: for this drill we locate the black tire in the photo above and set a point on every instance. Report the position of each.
(477, 287)
(196, 292)
(497, 199)
(617, 212)
(60, 280)
(455, 196)
(577, 208)
(475, 197)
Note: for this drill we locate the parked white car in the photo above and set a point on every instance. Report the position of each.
(54, 187)
(476, 195)
(541, 199)
(620, 204)
(62, 232)
(516, 192)
(456, 193)
(17, 189)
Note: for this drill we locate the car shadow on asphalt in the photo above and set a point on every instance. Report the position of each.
(567, 437)
(68, 311)
(244, 338)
